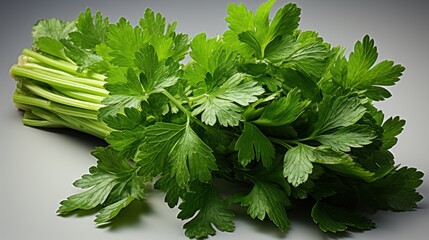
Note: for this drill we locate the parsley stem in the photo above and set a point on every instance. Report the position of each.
(50, 95)
(58, 74)
(193, 99)
(184, 110)
(25, 102)
(17, 72)
(80, 95)
(92, 127)
(62, 65)
(280, 142)
(176, 102)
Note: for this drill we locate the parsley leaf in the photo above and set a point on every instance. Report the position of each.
(53, 28)
(253, 144)
(131, 89)
(391, 128)
(351, 136)
(125, 91)
(128, 131)
(266, 198)
(109, 183)
(224, 102)
(260, 31)
(208, 209)
(51, 46)
(284, 110)
(173, 192)
(338, 110)
(397, 190)
(334, 219)
(360, 73)
(298, 164)
(178, 147)
(92, 30)
(157, 74)
(124, 41)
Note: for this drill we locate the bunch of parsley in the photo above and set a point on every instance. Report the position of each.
(273, 110)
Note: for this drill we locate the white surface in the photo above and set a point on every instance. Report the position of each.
(38, 166)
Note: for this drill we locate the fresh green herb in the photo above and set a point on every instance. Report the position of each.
(267, 107)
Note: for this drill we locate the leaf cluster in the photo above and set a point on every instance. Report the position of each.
(266, 106)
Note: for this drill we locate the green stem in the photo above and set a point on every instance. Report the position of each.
(49, 73)
(61, 99)
(76, 112)
(91, 127)
(280, 142)
(81, 96)
(193, 99)
(24, 62)
(55, 81)
(95, 128)
(176, 102)
(39, 123)
(184, 110)
(59, 64)
(23, 100)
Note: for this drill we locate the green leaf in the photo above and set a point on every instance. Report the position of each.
(92, 30)
(284, 110)
(173, 192)
(253, 144)
(178, 150)
(334, 219)
(109, 212)
(128, 131)
(256, 29)
(208, 210)
(298, 164)
(392, 127)
(360, 60)
(130, 90)
(162, 36)
(156, 75)
(360, 73)
(250, 39)
(129, 120)
(223, 104)
(286, 20)
(51, 46)
(108, 183)
(353, 136)
(125, 91)
(101, 186)
(262, 24)
(84, 58)
(266, 198)
(239, 18)
(53, 28)
(341, 163)
(191, 159)
(306, 52)
(211, 63)
(397, 191)
(126, 142)
(125, 41)
(338, 111)
(295, 79)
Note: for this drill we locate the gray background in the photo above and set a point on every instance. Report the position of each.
(38, 166)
